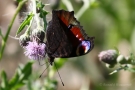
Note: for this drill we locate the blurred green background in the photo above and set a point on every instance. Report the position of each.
(111, 22)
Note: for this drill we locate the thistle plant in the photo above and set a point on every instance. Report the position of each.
(5, 38)
(113, 57)
(32, 40)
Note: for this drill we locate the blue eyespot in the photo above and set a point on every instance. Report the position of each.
(86, 44)
(83, 47)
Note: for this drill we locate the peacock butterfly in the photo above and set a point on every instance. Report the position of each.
(65, 37)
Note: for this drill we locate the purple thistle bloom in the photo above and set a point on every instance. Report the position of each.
(35, 51)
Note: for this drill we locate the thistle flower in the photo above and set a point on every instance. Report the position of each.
(23, 40)
(35, 50)
(39, 34)
(108, 56)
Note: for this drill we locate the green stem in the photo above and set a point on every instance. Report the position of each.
(85, 6)
(9, 27)
(68, 4)
(35, 13)
(1, 34)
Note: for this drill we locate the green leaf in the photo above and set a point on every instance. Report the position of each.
(4, 80)
(17, 86)
(26, 71)
(131, 68)
(1, 34)
(18, 1)
(14, 80)
(43, 16)
(39, 4)
(25, 22)
(21, 75)
(15, 83)
(50, 84)
(59, 63)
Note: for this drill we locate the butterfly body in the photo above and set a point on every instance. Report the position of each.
(65, 37)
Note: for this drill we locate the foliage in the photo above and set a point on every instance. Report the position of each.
(19, 79)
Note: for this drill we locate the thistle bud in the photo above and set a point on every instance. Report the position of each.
(23, 40)
(130, 60)
(121, 59)
(110, 65)
(39, 34)
(108, 56)
(131, 67)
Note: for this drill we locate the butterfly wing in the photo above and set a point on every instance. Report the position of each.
(64, 35)
(57, 39)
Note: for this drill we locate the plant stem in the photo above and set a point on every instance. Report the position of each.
(35, 13)
(85, 6)
(68, 4)
(4, 40)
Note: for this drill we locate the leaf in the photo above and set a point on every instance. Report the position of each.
(21, 75)
(43, 16)
(27, 70)
(131, 70)
(18, 1)
(17, 86)
(25, 22)
(4, 80)
(50, 84)
(1, 34)
(59, 63)
(14, 80)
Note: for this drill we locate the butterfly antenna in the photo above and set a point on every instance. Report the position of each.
(59, 74)
(43, 71)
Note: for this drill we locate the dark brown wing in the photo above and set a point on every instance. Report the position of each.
(57, 39)
(64, 34)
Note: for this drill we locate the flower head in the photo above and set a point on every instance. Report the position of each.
(23, 40)
(35, 51)
(108, 56)
(38, 34)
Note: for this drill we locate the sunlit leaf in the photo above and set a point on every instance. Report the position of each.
(58, 63)
(1, 34)
(21, 75)
(17, 86)
(27, 70)
(14, 80)
(4, 80)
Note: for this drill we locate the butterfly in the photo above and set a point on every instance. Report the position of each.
(65, 37)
